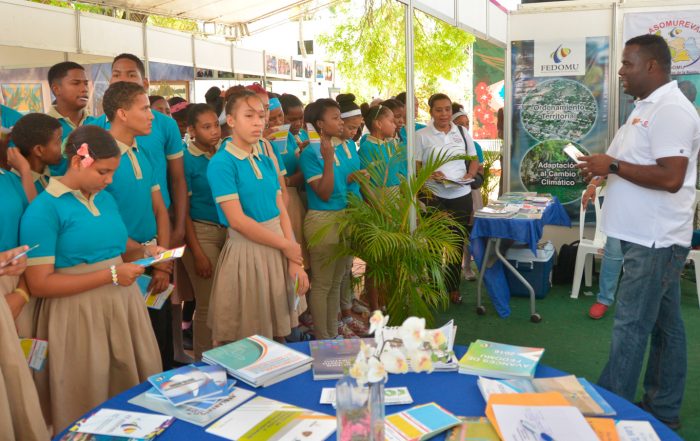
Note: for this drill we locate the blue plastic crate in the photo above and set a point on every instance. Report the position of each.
(537, 270)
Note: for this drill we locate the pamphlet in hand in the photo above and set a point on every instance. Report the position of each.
(153, 301)
(573, 153)
(165, 256)
(35, 352)
(119, 423)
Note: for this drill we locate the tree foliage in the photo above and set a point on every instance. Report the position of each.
(371, 49)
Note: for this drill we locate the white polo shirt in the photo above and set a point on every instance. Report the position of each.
(430, 140)
(664, 124)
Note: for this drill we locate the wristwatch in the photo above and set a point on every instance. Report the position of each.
(614, 166)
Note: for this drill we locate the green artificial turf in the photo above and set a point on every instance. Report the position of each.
(573, 342)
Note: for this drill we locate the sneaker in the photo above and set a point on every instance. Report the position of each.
(357, 326)
(344, 331)
(597, 311)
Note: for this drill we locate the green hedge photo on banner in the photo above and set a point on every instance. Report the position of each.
(560, 96)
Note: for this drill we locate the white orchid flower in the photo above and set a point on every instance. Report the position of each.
(412, 333)
(359, 369)
(376, 372)
(377, 321)
(421, 361)
(395, 361)
(366, 350)
(437, 339)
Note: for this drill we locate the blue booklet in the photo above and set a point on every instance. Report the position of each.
(187, 384)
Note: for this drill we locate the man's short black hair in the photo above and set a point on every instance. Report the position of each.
(120, 95)
(59, 71)
(139, 64)
(655, 48)
(33, 129)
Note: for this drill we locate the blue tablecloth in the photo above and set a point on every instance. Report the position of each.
(457, 393)
(528, 231)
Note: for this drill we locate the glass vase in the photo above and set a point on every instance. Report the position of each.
(360, 410)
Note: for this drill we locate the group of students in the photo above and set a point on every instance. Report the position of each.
(97, 193)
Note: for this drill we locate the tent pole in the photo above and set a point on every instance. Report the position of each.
(410, 106)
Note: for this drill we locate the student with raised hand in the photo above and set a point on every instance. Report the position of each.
(69, 85)
(137, 192)
(443, 137)
(204, 234)
(20, 411)
(92, 314)
(38, 138)
(254, 279)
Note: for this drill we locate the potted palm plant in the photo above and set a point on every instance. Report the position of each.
(406, 263)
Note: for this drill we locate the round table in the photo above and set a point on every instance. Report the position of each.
(455, 392)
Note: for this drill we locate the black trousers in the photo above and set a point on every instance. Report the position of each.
(460, 209)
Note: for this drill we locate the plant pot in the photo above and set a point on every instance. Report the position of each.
(360, 410)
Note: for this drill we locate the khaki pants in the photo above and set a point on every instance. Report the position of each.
(211, 238)
(326, 274)
(346, 293)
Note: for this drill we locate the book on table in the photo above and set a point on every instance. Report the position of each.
(189, 383)
(332, 357)
(498, 360)
(578, 391)
(112, 424)
(200, 413)
(263, 419)
(473, 429)
(419, 423)
(258, 361)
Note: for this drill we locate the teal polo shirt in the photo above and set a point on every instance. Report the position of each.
(202, 205)
(311, 163)
(251, 178)
(8, 116)
(479, 152)
(402, 131)
(41, 180)
(164, 143)
(72, 229)
(289, 156)
(382, 155)
(132, 186)
(262, 150)
(14, 202)
(350, 162)
(68, 126)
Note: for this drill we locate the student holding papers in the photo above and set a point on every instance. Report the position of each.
(204, 235)
(92, 313)
(20, 413)
(261, 259)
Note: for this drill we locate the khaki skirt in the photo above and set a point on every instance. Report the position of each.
(297, 213)
(20, 413)
(251, 292)
(100, 344)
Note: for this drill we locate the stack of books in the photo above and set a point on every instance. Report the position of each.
(258, 361)
(497, 360)
(498, 211)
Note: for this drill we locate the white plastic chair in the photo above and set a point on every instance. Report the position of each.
(588, 248)
(694, 255)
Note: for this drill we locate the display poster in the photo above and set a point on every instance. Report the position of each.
(560, 95)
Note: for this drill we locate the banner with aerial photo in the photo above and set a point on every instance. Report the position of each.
(560, 95)
(489, 90)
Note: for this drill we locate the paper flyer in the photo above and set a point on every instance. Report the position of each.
(165, 256)
(153, 301)
(35, 352)
(124, 424)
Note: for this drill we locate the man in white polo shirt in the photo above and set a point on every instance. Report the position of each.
(651, 170)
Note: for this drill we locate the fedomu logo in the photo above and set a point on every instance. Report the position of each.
(560, 58)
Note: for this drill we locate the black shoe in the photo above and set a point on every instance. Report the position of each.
(674, 425)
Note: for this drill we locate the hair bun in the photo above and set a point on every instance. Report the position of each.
(345, 98)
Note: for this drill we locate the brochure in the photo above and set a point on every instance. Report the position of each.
(392, 396)
(165, 256)
(573, 153)
(185, 384)
(498, 360)
(134, 425)
(153, 301)
(419, 423)
(35, 352)
(473, 429)
(263, 419)
(524, 423)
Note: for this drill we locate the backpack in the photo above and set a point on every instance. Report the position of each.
(566, 264)
(479, 178)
